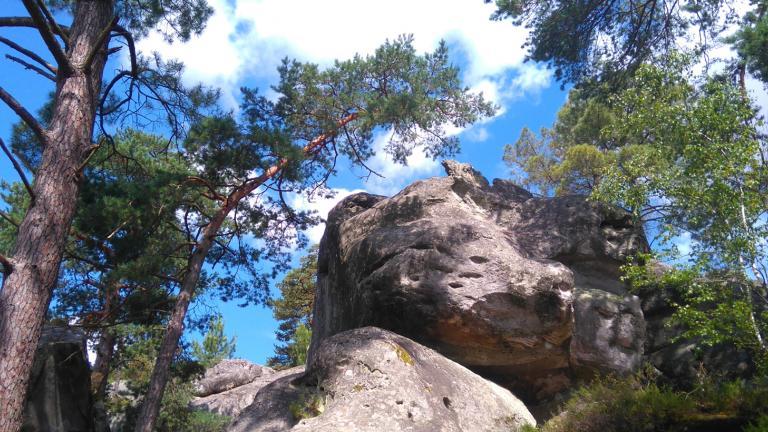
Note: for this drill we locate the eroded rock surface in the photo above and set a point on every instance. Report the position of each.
(231, 386)
(371, 380)
(486, 274)
(228, 374)
(59, 394)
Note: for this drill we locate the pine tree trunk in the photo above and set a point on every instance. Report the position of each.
(150, 407)
(43, 233)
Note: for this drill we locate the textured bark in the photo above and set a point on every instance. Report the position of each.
(150, 408)
(42, 234)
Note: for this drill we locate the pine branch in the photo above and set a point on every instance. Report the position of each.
(59, 29)
(31, 67)
(8, 218)
(29, 54)
(54, 25)
(100, 41)
(22, 112)
(7, 265)
(49, 38)
(18, 169)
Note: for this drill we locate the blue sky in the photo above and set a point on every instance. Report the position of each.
(246, 39)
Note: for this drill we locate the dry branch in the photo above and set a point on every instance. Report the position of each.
(22, 112)
(18, 169)
(43, 26)
(29, 54)
(31, 67)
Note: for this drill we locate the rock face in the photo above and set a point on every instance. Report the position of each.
(228, 374)
(231, 385)
(59, 394)
(682, 361)
(372, 380)
(521, 289)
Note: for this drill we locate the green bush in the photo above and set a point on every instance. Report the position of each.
(636, 404)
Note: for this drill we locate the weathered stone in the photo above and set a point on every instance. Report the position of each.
(372, 380)
(234, 400)
(59, 393)
(228, 374)
(483, 274)
(609, 333)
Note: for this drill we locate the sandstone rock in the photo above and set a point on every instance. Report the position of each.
(59, 393)
(680, 361)
(228, 374)
(485, 274)
(609, 333)
(372, 380)
(234, 400)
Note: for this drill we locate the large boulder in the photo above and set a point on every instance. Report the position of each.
(230, 396)
(59, 392)
(371, 380)
(487, 275)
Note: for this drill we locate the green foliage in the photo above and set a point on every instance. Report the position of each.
(690, 159)
(16, 199)
(299, 345)
(759, 425)
(135, 359)
(309, 404)
(293, 310)
(215, 347)
(571, 157)
(638, 404)
(712, 307)
(752, 39)
(588, 42)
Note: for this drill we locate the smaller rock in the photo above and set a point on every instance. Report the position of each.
(466, 173)
(372, 380)
(231, 402)
(228, 374)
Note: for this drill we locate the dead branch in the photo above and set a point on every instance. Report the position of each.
(29, 54)
(18, 169)
(7, 265)
(25, 115)
(43, 26)
(31, 67)
(8, 218)
(54, 25)
(61, 30)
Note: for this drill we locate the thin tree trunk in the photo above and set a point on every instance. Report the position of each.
(150, 407)
(43, 233)
(101, 367)
(106, 345)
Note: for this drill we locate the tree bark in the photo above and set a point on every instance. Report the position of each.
(43, 233)
(150, 408)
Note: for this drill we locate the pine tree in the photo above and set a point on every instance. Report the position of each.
(293, 144)
(215, 347)
(80, 53)
(293, 310)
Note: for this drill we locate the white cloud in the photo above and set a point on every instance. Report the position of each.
(322, 206)
(394, 176)
(250, 37)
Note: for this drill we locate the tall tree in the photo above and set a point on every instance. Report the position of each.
(588, 41)
(293, 310)
(80, 53)
(293, 145)
(691, 159)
